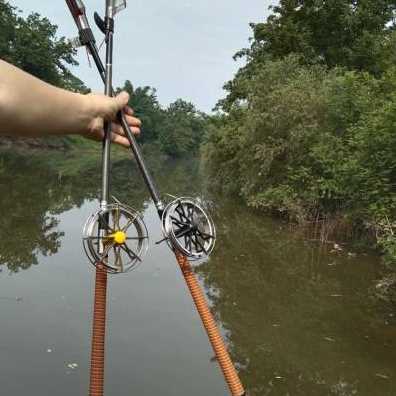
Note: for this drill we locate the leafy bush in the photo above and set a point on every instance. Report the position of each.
(310, 143)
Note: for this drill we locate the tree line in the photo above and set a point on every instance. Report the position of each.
(31, 43)
(308, 127)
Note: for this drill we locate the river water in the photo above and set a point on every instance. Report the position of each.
(300, 318)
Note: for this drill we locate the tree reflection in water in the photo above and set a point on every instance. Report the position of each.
(298, 317)
(27, 226)
(36, 187)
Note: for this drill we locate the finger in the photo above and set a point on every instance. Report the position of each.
(115, 138)
(97, 135)
(117, 128)
(120, 102)
(120, 140)
(133, 121)
(128, 110)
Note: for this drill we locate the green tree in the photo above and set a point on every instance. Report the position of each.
(145, 104)
(7, 29)
(357, 35)
(182, 130)
(179, 129)
(313, 145)
(346, 33)
(32, 45)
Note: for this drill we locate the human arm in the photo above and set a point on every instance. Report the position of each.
(30, 107)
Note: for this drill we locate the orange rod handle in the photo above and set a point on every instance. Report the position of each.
(222, 355)
(96, 386)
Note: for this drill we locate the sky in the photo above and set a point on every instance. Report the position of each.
(182, 48)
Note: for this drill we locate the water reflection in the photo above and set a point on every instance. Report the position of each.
(298, 317)
(34, 188)
(27, 227)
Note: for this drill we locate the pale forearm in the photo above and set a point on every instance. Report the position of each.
(31, 107)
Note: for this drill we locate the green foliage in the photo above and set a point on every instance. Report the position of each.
(346, 33)
(178, 129)
(145, 104)
(356, 35)
(311, 143)
(308, 123)
(182, 129)
(32, 45)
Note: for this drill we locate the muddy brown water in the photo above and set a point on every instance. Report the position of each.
(300, 318)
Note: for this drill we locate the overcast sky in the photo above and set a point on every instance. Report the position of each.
(182, 48)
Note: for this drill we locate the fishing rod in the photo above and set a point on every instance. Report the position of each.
(115, 237)
(185, 224)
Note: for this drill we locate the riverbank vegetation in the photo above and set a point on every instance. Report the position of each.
(308, 127)
(32, 44)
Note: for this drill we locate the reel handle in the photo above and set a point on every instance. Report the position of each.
(100, 23)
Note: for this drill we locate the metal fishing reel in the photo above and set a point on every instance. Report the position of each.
(188, 228)
(115, 237)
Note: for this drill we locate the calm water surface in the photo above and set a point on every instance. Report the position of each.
(300, 318)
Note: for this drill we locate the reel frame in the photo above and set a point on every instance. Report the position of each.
(115, 237)
(188, 228)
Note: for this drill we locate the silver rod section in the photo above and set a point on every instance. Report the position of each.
(107, 126)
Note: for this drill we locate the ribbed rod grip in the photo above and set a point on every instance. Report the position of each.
(96, 386)
(218, 345)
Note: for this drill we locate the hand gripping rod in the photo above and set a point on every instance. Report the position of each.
(87, 39)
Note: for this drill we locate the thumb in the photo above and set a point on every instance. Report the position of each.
(121, 100)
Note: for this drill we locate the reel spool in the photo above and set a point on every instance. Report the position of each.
(115, 237)
(188, 228)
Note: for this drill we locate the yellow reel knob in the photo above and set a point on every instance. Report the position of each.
(119, 237)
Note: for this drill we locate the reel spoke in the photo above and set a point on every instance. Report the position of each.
(116, 219)
(205, 236)
(190, 211)
(95, 238)
(106, 251)
(104, 222)
(194, 241)
(130, 222)
(183, 213)
(178, 222)
(200, 245)
(185, 240)
(118, 258)
(130, 252)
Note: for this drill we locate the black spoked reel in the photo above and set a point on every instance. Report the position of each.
(188, 228)
(116, 238)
